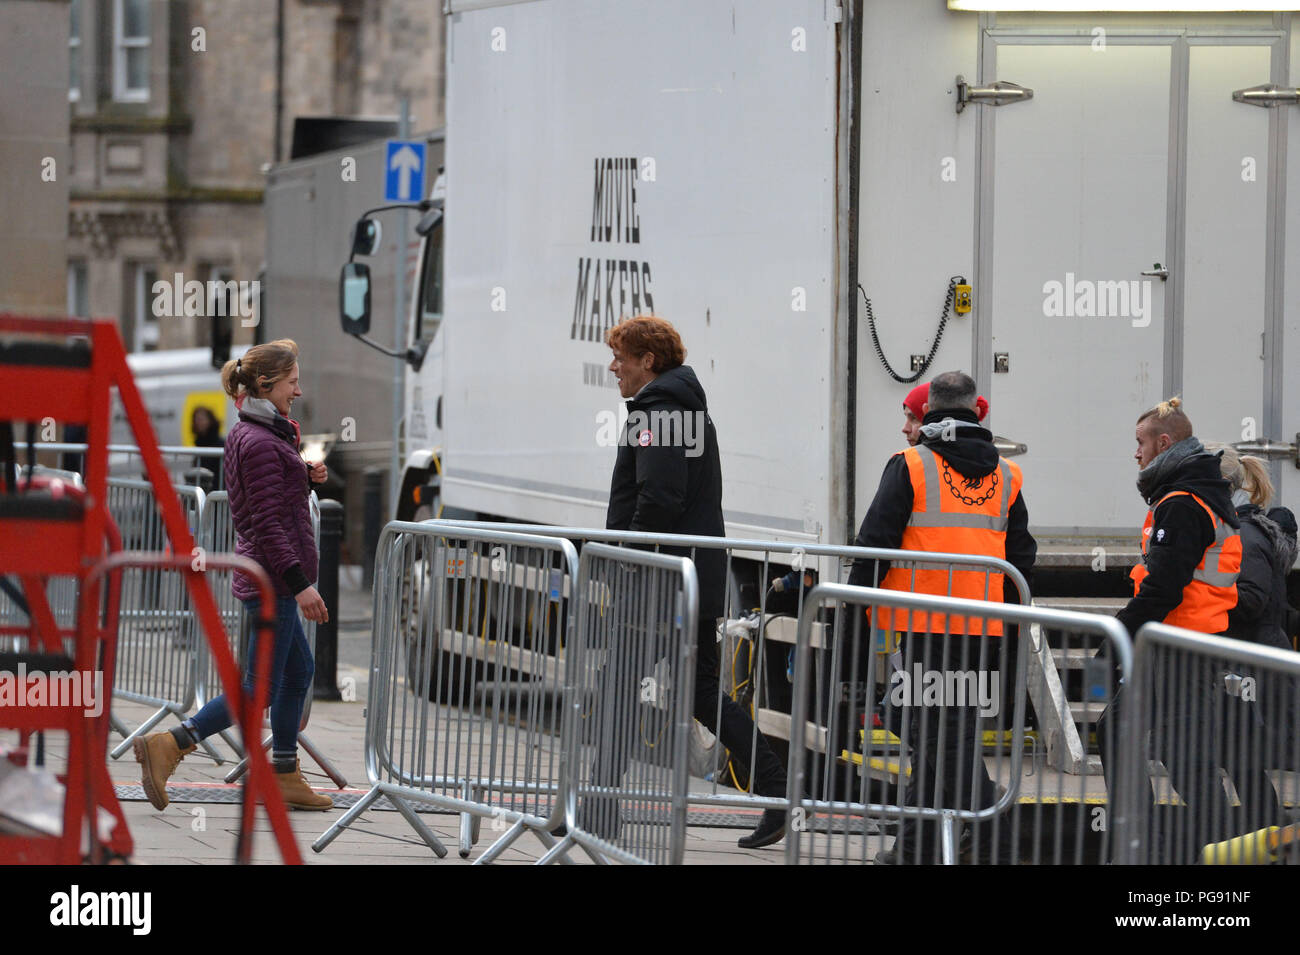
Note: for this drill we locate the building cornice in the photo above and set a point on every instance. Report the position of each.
(100, 123)
(192, 194)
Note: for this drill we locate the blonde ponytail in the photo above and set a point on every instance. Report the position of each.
(266, 364)
(1256, 481)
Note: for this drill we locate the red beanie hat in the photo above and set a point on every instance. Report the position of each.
(916, 398)
(919, 395)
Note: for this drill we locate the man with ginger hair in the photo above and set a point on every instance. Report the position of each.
(668, 479)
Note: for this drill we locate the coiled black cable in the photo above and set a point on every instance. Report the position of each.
(938, 336)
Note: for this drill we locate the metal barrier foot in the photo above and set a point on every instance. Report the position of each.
(236, 746)
(322, 761)
(500, 846)
(118, 727)
(140, 730)
(560, 851)
(242, 766)
(361, 805)
(468, 831)
(212, 751)
(466, 834)
(421, 829)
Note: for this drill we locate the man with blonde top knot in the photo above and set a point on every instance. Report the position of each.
(1191, 557)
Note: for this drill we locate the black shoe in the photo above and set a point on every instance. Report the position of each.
(770, 829)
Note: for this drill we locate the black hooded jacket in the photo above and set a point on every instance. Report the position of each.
(667, 476)
(1179, 536)
(971, 454)
(1262, 614)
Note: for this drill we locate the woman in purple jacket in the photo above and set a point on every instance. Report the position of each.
(270, 487)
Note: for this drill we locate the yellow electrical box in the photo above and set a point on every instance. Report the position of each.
(963, 300)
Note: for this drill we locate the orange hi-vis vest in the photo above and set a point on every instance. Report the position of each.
(1212, 591)
(950, 517)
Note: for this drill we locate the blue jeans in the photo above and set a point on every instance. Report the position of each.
(290, 678)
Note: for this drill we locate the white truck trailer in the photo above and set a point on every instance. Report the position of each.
(1113, 187)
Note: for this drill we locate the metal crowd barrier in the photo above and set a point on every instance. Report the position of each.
(628, 701)
(467, 679)
(217, 536)
(1213, 751)
(757, 635)
(183, 463)
(157, 639)
(930, 763)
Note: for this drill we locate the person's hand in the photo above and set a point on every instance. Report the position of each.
(318, 472)
(312, 606)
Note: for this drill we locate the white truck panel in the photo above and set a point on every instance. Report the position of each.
(731, 118)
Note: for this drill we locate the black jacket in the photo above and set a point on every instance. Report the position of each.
(1262, 611)
(668, 478)
(972, 455)
(1179, 535)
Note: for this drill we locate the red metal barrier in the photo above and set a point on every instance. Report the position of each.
(48, 375)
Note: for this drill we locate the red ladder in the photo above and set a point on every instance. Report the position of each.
(64, 369)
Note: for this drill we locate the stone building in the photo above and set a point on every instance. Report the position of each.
(177, 108)
(33, 155)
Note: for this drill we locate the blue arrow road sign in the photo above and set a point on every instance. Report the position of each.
(404, 171)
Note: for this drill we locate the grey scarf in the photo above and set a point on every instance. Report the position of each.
(1156, 474)
(263, 412)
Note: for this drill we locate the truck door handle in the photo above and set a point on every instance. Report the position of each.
(1159, 270)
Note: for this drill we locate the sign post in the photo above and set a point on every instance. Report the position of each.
(405, 172)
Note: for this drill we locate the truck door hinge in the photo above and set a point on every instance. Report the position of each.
(1267, 448)
(834, 12)
(1268, 95)
(999, 94)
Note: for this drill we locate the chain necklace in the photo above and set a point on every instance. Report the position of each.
(970, 501)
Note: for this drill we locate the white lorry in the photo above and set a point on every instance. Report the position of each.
(1113, 187)
(801, 186)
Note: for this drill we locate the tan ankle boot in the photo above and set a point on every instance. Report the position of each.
(158, 756)
(297, 794)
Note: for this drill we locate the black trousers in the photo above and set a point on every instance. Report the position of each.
(735, 729)
(944, 740)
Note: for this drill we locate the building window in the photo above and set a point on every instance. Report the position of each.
(145, 321)
(78, 294)
(430, 313)
(131, 50)
(221, 302)
(74, 54)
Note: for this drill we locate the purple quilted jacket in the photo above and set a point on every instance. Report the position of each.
(269, 501)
